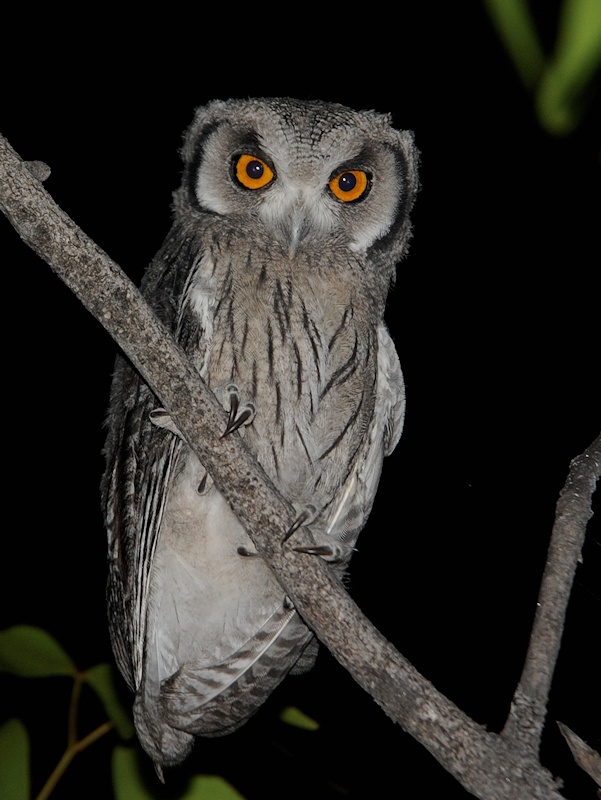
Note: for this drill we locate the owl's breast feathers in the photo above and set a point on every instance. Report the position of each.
(301, 343)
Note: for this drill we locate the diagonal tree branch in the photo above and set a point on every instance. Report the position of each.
(490, 766)
(573, 511)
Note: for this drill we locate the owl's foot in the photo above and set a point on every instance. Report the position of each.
(306, 517)
(238, 416)
(332, 553)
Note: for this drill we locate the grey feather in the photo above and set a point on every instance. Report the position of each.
(274, 280)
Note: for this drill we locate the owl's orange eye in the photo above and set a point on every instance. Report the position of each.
(253, 172)
(350, 185)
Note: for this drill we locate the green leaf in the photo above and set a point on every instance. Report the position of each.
(210, 787)
(561, 84)
(33, 653)
(102, 680)
(14, 761)
(564, 88)
(516, 29)
(294, 716)
(128, 783)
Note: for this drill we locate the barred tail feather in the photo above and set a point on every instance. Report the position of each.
(216, 700)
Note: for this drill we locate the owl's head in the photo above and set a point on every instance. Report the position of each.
(306, 173)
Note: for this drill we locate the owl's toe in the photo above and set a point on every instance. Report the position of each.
(304, 517)
(246, 553)
(323, 550)
(162, 419)
(239, 416)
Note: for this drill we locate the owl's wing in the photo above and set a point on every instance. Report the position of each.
(202, 638)
(214, 699)
(140, 462)
(219, 635)
(390, 403)
(349, 514)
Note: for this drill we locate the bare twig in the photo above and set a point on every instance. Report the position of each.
(586, 758)
(488, 765)
(529, 706)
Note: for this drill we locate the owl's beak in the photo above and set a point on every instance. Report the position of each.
(296, 231)
(299, 228)
(293, 225)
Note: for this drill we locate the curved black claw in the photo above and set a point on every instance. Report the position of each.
(308, 513)
(318, 550)
(162, 419)
(236, 420)
(243, 551)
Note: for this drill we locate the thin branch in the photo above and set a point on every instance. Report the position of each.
(74, 708)
(584, 755)
(72, 750)
(529, 706)
(487, 765)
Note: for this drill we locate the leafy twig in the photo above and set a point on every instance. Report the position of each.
(72, 750)
(73, 708)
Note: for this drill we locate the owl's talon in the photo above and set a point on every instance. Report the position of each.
(246, 553)
(305, 516)
(162, 419)
(245, 418)
(317, 550)
(236, 420)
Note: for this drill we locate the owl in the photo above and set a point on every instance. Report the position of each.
(287, 227)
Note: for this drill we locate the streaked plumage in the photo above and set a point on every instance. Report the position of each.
(287, 227)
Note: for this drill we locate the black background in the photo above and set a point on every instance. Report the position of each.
(495, 316)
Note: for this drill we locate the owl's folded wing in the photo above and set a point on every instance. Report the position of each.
(141, 460)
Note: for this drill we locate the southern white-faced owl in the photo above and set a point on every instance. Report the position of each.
(288, 224)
